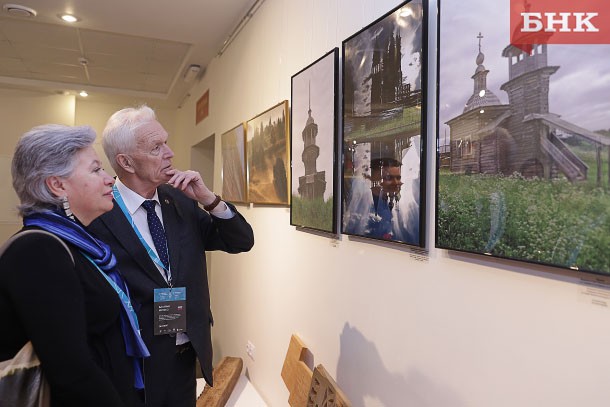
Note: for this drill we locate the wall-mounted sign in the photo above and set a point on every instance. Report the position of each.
(203, 107)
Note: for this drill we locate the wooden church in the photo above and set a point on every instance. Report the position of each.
(521, 136)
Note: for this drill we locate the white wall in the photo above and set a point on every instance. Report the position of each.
(19, 112)
(393, 327)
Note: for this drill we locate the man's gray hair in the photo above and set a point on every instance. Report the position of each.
(45, 151)
(119, 136)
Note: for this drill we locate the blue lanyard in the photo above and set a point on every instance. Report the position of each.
(134, 345)
(131, 314)
(119, 200)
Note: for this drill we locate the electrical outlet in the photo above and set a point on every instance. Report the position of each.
(250, 349)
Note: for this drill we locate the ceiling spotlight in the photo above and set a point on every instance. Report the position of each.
(68, 18)
(83, 93)
(17, 10)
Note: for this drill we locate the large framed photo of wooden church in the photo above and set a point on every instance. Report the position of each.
(523, 144)
(384, 127)
(314, 144)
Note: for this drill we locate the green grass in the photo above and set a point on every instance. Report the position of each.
(315, 213)
(588, 154)
(553, 222)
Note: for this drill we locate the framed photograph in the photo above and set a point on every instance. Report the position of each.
(268, 156)
(233, 148)
(384, 127)
(313, 141)
(523, 144)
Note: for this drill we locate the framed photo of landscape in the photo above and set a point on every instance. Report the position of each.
(268, 156)
(313, 141)
(523, 143)
(384, 127)
(233, 149)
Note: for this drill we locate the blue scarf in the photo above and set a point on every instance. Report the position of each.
(99, 253)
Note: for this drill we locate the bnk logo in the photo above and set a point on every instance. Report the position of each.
(559, 22)
(532, 22)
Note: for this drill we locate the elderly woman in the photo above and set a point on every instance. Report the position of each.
(72, 305)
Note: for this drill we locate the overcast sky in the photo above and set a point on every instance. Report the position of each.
(579, 90)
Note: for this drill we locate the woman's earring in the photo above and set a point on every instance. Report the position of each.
(66, 204)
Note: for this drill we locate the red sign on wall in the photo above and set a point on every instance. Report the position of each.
(203, 107)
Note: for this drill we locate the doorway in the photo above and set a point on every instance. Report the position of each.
(202, 159)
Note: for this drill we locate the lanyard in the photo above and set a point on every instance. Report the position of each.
(124, 296)
(134, 345)
(119, 200)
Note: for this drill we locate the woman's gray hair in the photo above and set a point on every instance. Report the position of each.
(119, 136)
(42, 152)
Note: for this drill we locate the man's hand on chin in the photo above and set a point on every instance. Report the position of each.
(191, 184)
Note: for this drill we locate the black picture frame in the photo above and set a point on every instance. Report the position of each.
(384, 102)
(313, 141)
(522, 158)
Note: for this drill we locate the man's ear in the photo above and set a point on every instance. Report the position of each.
(125, 162)
(56, 185)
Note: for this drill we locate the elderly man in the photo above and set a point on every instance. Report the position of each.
(159, 235)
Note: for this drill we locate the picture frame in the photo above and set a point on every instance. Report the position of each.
(522, 163)
(313, 141)
(384, 105)
(233, 151)
(268, 156)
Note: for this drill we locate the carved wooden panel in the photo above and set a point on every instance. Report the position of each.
(324, 391)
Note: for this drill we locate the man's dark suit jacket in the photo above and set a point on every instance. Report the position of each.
(190, 232)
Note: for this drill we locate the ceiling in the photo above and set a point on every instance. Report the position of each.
(129, 48)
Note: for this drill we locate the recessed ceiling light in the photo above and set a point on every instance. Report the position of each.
(69, 18)
(17, 10)
(83, 93)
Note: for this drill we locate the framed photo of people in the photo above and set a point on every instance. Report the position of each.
(268, 156)
(233, 149)
(523, 143)
(384, 127)
(313, 144)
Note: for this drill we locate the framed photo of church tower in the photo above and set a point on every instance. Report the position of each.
(314, 145)
(384, 127)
